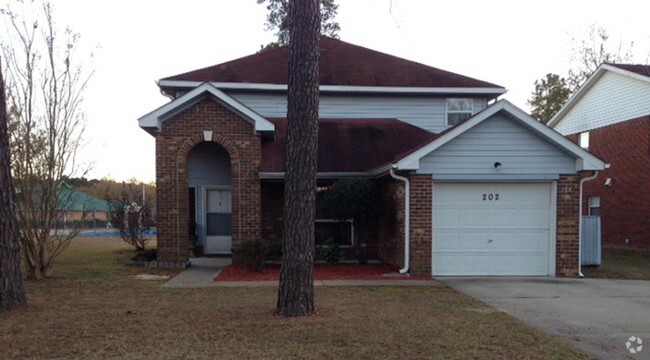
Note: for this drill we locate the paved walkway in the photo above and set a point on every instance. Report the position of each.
(203, 271)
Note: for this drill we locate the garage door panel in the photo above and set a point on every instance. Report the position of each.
(519, 241)
(491, 228)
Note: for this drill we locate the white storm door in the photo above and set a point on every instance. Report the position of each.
(218, 221)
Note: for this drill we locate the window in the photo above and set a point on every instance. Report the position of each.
(594, 205)
(584, 140)
(339, 231)
(458, 110)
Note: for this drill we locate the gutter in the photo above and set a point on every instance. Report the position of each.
(582, 182)
(407, 220)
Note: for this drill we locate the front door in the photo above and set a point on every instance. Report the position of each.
(218, 214)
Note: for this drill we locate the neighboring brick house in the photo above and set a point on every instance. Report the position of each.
(610, 116)
(467, 188)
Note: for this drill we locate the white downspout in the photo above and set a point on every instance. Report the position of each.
(407, 220)
(595, 175)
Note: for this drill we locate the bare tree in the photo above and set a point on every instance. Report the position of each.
(592, 49)
(45, 85)
(12, 293)
(296, 290)
(131, 215)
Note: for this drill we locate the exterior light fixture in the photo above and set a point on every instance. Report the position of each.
(497, 165)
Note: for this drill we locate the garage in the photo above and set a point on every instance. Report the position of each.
(493, 228)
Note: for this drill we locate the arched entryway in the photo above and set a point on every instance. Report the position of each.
(209, 179)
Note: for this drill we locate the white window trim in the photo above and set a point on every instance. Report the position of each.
(593, 206)
(447, 111)
(351, 221)
(583, 140)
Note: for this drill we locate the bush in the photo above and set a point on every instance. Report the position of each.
(253, 253)
(145, 256)
(331, 252)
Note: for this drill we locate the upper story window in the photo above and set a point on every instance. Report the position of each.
(458, 110)
(584, 140)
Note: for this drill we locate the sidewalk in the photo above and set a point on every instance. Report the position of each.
(203, 271)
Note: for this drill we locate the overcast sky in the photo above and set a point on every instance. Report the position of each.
(135, 43)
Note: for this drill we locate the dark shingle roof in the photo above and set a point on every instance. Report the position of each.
(341, 63)
(350, 145)
(635, 68)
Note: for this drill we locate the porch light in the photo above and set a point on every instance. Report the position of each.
(497, 166)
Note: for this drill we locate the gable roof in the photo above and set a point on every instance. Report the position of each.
(69, 199)
(584, 159)
(639, 72)
(354, 147)
(153, 120)
(341, 64)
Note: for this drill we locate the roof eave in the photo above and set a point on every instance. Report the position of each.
(152, 122)
(585, 161)
(588, 84)
(186, 84)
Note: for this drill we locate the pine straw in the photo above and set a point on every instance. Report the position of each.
(93, 309)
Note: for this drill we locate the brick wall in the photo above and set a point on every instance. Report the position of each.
(177, 138)
(391, 224)
(625, 206)
(566, 249)
(421, 200)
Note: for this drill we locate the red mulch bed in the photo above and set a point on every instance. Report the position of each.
(238, 272)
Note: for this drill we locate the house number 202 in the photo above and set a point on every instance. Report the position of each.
(490, 197)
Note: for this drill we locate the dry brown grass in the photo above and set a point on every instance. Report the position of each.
(93, 309)
(621, 264)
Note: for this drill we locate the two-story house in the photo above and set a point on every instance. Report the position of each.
(470, 185)
(610, 116)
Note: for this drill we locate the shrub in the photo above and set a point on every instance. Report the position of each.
(331, 252)
(145, 256)
(253, 253)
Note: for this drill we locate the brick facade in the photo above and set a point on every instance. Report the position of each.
(568, 217)
(178, 136)
(421, 236)
(625, 205)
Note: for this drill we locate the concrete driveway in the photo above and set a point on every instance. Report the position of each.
(598, 316)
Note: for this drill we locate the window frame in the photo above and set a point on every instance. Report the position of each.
(447, 111)
(583, 140)
(591, 206)
(350, 221)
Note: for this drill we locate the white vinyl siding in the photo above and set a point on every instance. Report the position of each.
(613, 99)
(498, 139)
(423, 111)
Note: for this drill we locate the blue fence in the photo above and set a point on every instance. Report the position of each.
(590, 241)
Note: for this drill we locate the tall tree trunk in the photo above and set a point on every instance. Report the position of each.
(12, 293)
(296, 291)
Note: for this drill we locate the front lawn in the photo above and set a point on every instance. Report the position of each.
(621, 264)
(93, 308)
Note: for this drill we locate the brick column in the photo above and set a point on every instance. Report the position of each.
(421, 201)
(568, 218)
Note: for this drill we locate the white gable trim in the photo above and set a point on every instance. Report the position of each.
(591, 81)
(154, 119)
(341, 88)
(584, 159)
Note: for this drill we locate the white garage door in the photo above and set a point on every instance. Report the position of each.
(491, 229)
